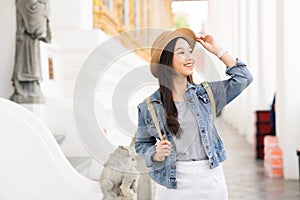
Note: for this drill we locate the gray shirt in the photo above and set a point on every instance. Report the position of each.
(188, 141)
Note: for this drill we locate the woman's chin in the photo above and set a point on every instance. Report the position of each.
(188, 73)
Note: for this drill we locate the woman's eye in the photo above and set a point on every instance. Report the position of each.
(181, 53)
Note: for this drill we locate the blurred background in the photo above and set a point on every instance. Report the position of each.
(264, 34)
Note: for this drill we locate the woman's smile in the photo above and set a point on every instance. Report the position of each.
(189, 65)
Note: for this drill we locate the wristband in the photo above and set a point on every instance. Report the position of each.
(221, 53)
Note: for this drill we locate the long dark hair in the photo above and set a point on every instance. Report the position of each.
(165, 76)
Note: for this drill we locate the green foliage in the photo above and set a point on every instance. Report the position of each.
(181, 21)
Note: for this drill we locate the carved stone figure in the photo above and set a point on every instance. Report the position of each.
(32, 27)
(119, 177)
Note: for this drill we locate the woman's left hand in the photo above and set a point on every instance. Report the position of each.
(209, 43)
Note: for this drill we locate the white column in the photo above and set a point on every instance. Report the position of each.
(266, 71)
(236, 20)
(218, 16)
(233, 28)
(243, 103)
(242, 30)
(288, 81)
(252, 61)
(238, 43)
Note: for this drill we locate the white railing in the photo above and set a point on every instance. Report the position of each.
(33, 166)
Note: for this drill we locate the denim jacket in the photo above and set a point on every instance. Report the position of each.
(164, 172)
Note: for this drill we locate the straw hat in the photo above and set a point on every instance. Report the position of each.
(163, 40)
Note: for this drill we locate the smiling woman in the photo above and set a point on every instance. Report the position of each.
(185, 161)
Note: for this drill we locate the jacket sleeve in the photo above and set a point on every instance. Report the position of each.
(145, 143)
(225, 91)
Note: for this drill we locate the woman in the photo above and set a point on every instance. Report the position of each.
(186, 163)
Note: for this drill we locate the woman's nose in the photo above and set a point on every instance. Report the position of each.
(189, 57)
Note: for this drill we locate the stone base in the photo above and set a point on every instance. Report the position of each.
(27, 99)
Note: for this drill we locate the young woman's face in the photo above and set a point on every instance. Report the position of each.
(183, 61)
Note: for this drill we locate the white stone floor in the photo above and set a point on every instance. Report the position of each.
(245, 176)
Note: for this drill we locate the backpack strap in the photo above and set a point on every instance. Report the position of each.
(154, 117)
(211, 98)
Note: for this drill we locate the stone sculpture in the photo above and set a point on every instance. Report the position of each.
(32, 27)
(119, 177)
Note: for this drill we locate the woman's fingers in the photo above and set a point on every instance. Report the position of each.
(161, 154)
(166, 142)
(205, 38)
(163, 146)
(163, 149)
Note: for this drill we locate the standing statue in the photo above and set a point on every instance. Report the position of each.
(32, 27)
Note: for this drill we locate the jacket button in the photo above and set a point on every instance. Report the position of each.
(203, 131)
(173, 167)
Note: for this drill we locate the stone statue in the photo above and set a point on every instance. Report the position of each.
(119, 177)
(32, 27)
(125, 177)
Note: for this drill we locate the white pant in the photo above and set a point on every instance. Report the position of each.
(195, 181)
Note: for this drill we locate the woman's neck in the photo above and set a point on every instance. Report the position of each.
(179, 84)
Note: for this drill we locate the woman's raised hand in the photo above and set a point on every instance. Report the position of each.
(209, 43)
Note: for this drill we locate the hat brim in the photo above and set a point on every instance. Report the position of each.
(163, 40)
